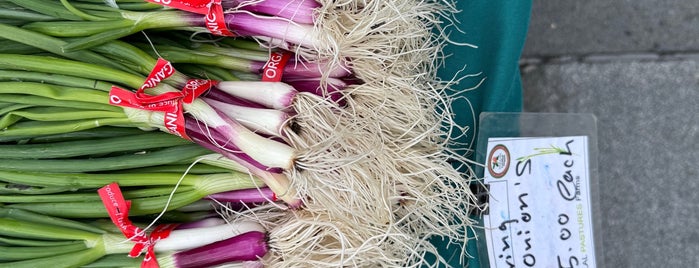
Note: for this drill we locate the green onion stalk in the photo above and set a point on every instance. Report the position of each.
(93, 133)
(158, 195)
(231, 60)
(141, 141)
(12, 12)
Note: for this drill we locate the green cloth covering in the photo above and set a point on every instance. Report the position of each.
(498, 28)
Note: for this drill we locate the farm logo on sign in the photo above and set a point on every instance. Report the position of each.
(498, 161)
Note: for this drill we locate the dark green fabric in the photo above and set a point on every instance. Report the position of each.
(498, 28)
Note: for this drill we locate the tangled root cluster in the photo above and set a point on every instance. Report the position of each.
(377, 177)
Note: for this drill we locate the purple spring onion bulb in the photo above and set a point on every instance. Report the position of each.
(269, 152)
(250, 246)
(245, 23)
(308, 69)
(248, 196)
(260, 120)
(242, 264)
(218, 95)
(277, 182)
(212, 140)
(300, 11)
(276, 95)
(266, 151)
(197, 237)
(272, 177)
(332, 91)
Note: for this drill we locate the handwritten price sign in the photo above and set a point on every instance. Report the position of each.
(539, 211)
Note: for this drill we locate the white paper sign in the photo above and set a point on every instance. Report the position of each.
(539, 211)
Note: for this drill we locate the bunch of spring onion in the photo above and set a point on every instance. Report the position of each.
(272, 95)
(36, 240)
(230, 130)
(39, 185)
(72, 205)
(375, 175)
(59, 147)
(313, 77)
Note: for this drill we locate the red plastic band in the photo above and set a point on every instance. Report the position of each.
(274, 68)
(160, 232)
(194, 6)
(118, 210)
(212, 9)
(170, 103)
(162, 70)
(195, 88)
(216, 21)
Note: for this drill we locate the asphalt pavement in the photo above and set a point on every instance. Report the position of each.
(635, 66)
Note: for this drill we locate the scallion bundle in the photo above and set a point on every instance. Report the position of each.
(279, 155)
(374, 171)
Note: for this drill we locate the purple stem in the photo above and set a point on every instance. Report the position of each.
(272, 176)
(300, 11)
(306, 69)
(332, 92)
(202, 135)
(245, 23)
(249, 196)
(216, 94)
(275, 95)
(249, 246)
(248, 24)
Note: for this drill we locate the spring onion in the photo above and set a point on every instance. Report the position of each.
(248, 246)
(201, 186)
(236, 63)
(242, 23)
(245, 196)
(99, 244)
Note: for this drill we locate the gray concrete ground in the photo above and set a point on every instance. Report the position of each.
(568, 27)
(634, 65)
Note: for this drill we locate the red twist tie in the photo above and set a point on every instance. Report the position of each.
(273, 70)
(118, 210)
(170, 102)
